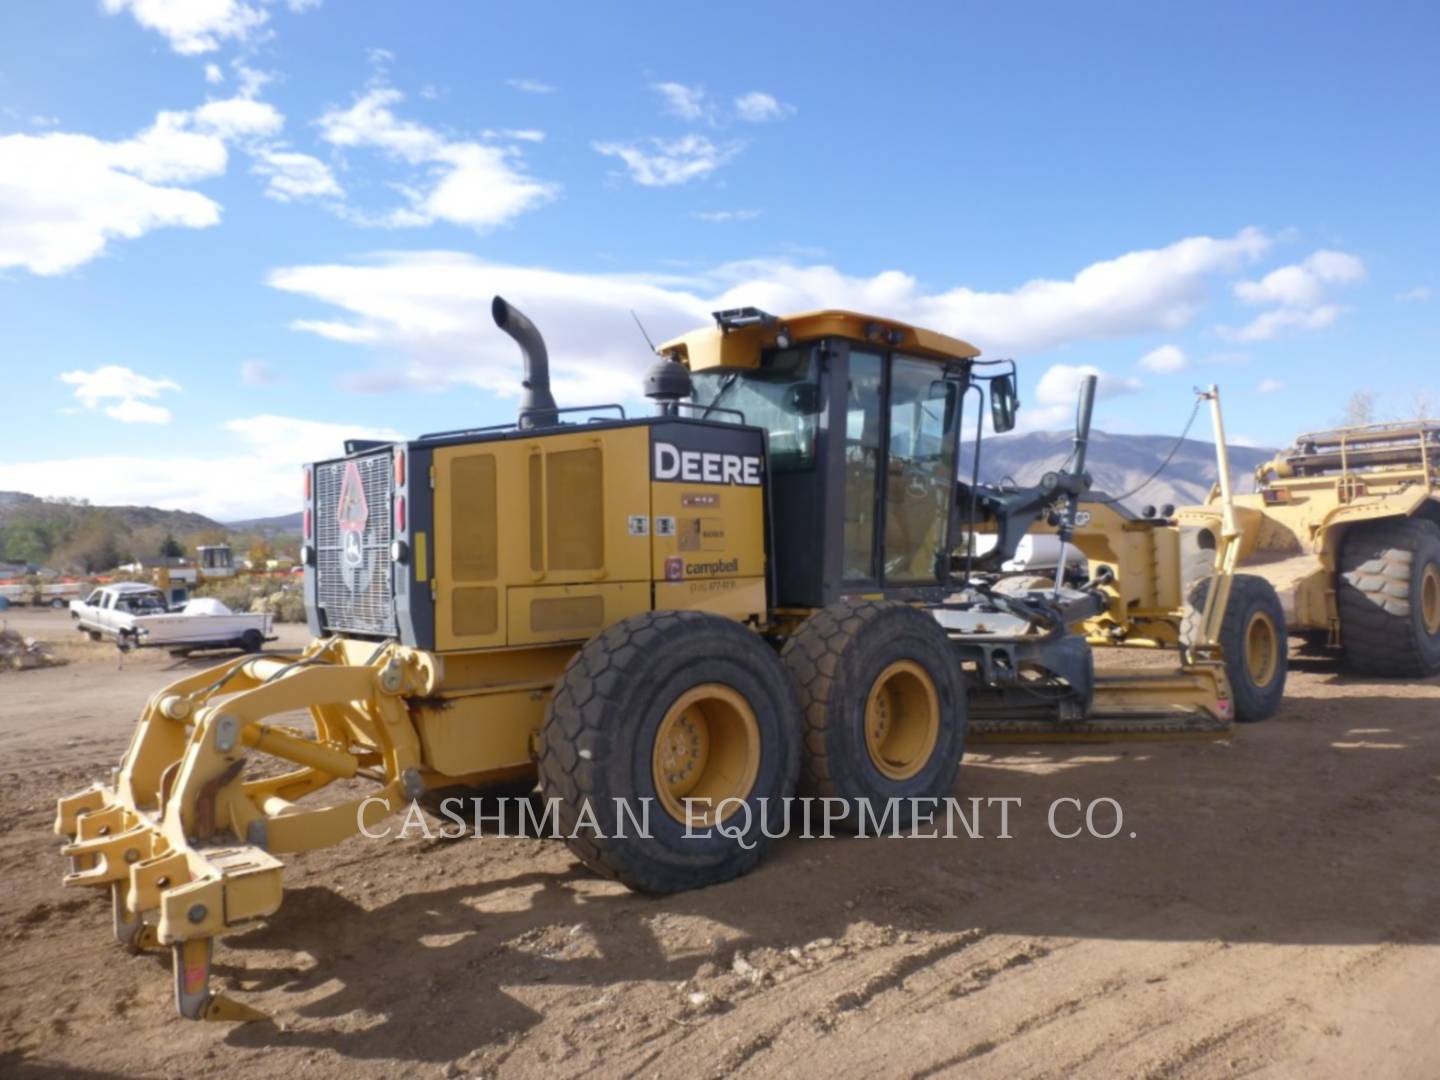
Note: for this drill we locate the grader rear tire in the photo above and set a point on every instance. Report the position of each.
(883, 696)
(1253, 641)
(1388, 593)
(661, 708)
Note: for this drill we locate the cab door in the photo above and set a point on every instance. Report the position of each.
(898, 470)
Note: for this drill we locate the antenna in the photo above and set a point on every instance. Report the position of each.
(643, 333)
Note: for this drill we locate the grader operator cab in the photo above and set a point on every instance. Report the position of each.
(772, 584)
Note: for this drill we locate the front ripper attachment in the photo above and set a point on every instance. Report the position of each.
(186, 843)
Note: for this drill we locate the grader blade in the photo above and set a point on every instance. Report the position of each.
(186, 844)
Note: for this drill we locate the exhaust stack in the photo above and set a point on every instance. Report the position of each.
(537, 404)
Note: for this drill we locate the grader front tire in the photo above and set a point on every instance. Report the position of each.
(662, 708)
(1253, 642)
(883, 698)
(1388, 593)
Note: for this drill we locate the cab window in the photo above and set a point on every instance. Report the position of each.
(920, 470)
(782, 396)
(862, 463)
(911, 446)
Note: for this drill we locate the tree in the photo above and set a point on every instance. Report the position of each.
(170, 548)
(260, 554)
(1424, 405)
(1360, 409)
(26, 542)
(94, 545)
(209, 538)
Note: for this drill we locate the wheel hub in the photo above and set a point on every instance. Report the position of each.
(1430, 599)
(1262, 649)
(707, 751)
(902, 720)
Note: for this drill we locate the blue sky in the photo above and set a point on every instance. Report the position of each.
(233, 231)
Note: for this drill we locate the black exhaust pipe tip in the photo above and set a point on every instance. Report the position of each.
(537, 404)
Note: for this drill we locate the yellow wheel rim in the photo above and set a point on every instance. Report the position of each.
(1430, 599)
(1262, 649)
(902, 720)
(707, 750)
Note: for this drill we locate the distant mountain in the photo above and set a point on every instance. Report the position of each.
(16, 506)
(281, 525)
(1119, 463)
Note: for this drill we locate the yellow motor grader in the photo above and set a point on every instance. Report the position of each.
(749, 593)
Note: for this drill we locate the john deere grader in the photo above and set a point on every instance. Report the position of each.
(752, 592)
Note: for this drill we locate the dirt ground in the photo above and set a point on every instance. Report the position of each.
(1275, 912)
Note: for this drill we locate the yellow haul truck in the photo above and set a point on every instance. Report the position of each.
(750, 592)
(1346, 526)
(1339, 544)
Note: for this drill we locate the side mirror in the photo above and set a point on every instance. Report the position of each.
(803, 399)
(1003, 403)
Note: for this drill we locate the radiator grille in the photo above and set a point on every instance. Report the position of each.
(354, 592)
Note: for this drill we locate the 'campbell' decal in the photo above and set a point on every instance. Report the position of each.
(705, 466)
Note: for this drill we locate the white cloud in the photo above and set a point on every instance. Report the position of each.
(1060, 384)
(64, 197)
(370, 122)
(1303, 284)
(686, 102)
(253, 472)
(293, 175)
(258, 373)
(213, 74)
(1165, 360)
(719, 217)
(252, 80)
(118, 392)
(194, 26)
(1057, 394)
(426, 315)
(1417, 295)
(199, 26)
(1269, 386)
(238, 118)
(757, 107)
(1271, 324)
(657, 162)
(480, 185)
(530, 86)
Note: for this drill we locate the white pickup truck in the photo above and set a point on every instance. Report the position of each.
(133, 613)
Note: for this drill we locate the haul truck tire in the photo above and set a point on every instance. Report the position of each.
(883, 698)
(1388, 593)
(1253, 641)
(658, 709)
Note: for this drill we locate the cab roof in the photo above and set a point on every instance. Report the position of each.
(742, 346)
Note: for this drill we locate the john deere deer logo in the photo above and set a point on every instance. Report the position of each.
(351, 513)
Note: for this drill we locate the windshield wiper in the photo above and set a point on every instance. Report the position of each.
(725, 384)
